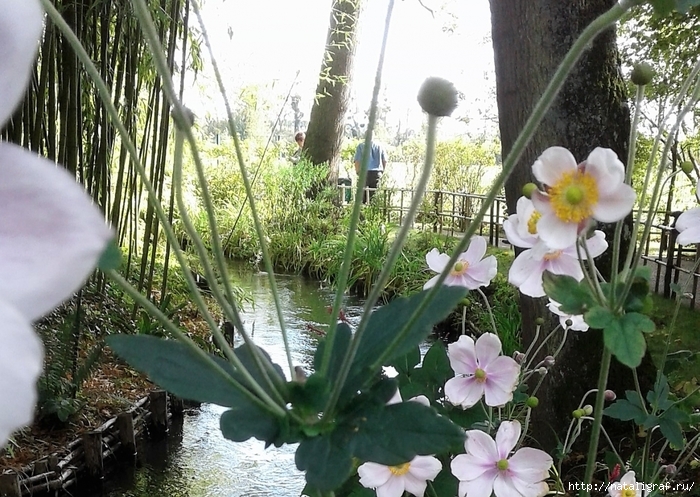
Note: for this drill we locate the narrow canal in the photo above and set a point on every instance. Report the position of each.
(195, 460)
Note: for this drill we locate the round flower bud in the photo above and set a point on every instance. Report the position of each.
(610, 395)
(437, 97)
(532, 402)
(549, 361)
(519, 357)
(588, 409)
(569, 323)
(642, 74)
(687, 167)
(529, 189)
(464, 302)
(539, 321)
(542, 371)
(578, 414)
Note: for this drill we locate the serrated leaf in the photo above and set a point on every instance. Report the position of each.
(625, 411)
(244, 422)
(598, 317)
(673, 432)
(624, 338)
(395, 434)
(574, 297)
(178, 369)
(658, 397)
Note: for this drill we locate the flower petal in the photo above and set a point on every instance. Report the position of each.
(21, 22)
(414, 486)
(557, 234)
(688, 224)
(21, 361)
(483, 272)
(373, 475)
(506, 437)
(616, 205)
(596, 244)
(51, 235)
(510, 226)
(530, 465)
(565, 265)
(481, 447)
(431, 282)
(394, 487)
(488, 347)
(425, 467)
(437, 261)
(462, 355)
(481, 486)
(476, 250)
(526, 274)
(501, 380)
(604, 165)
(553, 162)
(465, 392)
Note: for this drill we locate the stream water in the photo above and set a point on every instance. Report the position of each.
(195, 460)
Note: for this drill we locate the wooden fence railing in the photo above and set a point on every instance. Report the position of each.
(452, 213)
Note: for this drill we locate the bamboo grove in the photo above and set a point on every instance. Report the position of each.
(63, 118)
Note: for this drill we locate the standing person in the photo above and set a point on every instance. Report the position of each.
(375, 168)
(299, 138)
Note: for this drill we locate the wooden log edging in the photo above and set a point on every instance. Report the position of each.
(93, 452)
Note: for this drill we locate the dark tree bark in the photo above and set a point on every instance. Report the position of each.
(530, 38)
(325, 132)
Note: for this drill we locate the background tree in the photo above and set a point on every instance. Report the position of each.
(530, 38)
(325, 132)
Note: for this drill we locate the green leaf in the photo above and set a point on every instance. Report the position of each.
(445, 483)
(327, 459)
(436, 364)
(244, 422)
(111, 258)
(178, 369)
(274, 371)
(574, 297)
(340, 346)
(663, 7)
(625, 411)
(624, 338)
(672, 431)
(598, 317)
(395, 434)
(658, 397)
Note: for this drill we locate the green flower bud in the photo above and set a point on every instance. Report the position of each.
(687, 167)
(642, 74)
(528, 189)
(438, 97)
(532, 402)
(539, 321)
(578, 414)
(588, 409)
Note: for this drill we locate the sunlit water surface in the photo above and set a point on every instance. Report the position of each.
(195, 460)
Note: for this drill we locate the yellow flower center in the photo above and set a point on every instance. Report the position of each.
(573, 196)
(459, 268)
(502, 465)
(401, 469)
(550, 256)
(532, 222)
(480, 375)
(628, 491)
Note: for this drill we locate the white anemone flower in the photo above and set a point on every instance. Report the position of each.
(393, 481)
(577, 193)
(51, 235)
(628, 486)
(521, 227)
(688, 225)
(577, 321)
(527, 269)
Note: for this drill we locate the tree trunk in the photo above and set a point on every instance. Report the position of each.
(325, 133)
(530, 38)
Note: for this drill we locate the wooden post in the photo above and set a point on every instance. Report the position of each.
(92, 445)
(9, 485)
(125, 427)
(177, 405)
(41, 467)
(159, 413)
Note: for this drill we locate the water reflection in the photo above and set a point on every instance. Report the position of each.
(196, 461)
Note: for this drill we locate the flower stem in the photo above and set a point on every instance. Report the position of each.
(597, 420)
(488, 308)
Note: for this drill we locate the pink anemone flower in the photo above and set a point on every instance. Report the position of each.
(51, 235)
(487, 467)
(472, 270)
(576, 193)
(521, 227)
(527, 269)
(480, 370)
